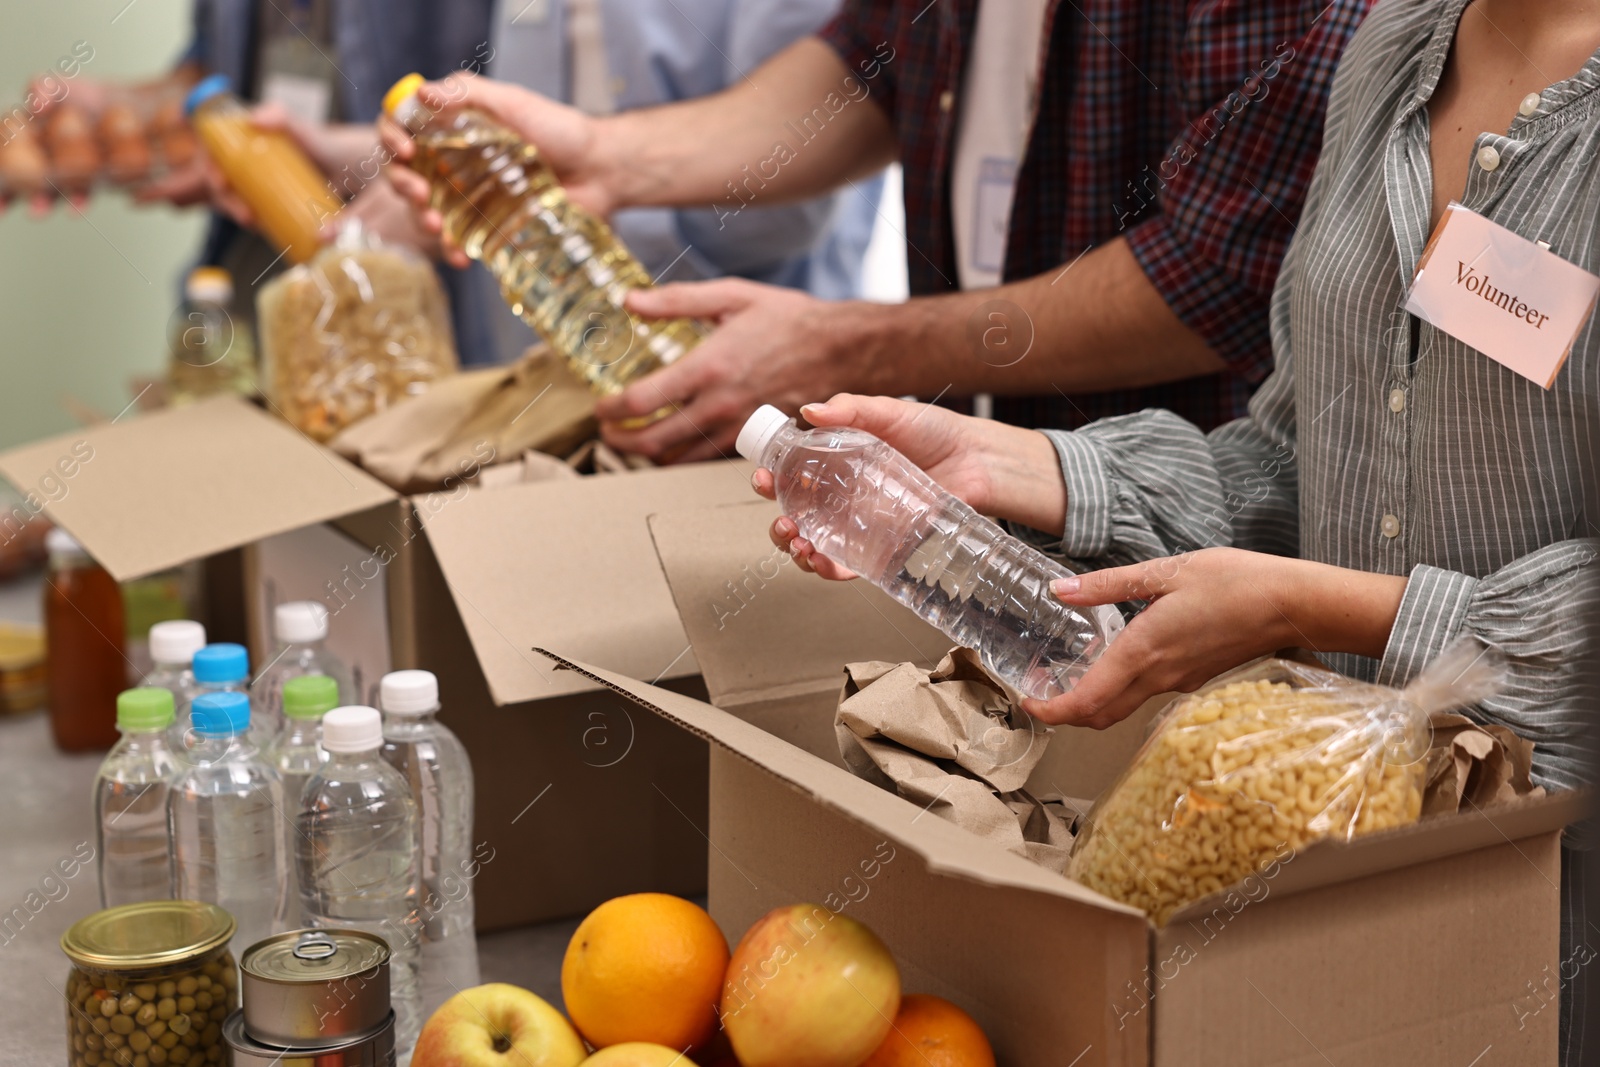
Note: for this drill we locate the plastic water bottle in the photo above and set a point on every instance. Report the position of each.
(301, 627)
(863, 504)
(223, 667)
(435, 765)
(229, 827)
(130, 802)
(297, 752)
(172, 648)
(357, 854)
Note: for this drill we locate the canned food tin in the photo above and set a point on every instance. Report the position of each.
(150, 984)
(312, 988)
(372, 1049)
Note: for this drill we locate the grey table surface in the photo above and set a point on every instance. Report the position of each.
(45, 814)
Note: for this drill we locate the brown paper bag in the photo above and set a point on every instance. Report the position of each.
(951, 741)
(472, 421)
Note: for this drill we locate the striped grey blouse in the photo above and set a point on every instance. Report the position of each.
(1380, 443)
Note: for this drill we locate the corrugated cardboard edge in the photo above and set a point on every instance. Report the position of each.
(1331, 862)
(943, 847)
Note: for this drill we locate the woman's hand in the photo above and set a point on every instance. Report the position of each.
(1210, 611)
(564, 136)
(1000, 470)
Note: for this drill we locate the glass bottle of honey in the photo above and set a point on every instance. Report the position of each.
(290, 197)
(85, 666)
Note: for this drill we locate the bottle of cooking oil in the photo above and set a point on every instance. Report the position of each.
(559, 267)
(210, 353)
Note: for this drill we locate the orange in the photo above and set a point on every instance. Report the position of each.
(646, 967)
(932, 1032)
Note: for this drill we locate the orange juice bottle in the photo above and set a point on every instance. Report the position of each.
(289, 196)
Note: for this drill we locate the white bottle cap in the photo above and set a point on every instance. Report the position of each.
(60, 543)
(300, 622)
(352, 729)
(176, 641)
(758, 430)
(408, 692)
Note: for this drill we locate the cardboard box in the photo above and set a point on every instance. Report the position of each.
(567, 824)
(1427, 944)
(618, 798)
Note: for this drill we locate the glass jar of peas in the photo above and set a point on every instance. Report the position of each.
(150, 984)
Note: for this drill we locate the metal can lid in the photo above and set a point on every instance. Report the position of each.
(314, 956)
(152, 933)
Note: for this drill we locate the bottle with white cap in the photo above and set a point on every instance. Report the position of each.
(864, 505)
(226, 819)
(301, 627)
(172, 648)
(356, 854)
(435, 765)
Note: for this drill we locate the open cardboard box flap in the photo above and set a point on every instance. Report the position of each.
(759, 625)
(177, 485)
(944, 847)
(569, 563)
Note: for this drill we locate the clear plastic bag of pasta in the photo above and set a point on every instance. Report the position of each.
(358, 328)
(1262, 762)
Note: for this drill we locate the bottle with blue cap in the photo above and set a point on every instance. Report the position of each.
(356, 855)
(290, 198)
(222, 667)
(130, 802)
(228, 822)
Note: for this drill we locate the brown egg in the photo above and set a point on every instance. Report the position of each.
(74, 155)
(123, 135)
(23, 164)
(178, 146)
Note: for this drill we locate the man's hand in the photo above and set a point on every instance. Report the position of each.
(1213, 610)
(564, 136)
(767, 348)
(998, 469)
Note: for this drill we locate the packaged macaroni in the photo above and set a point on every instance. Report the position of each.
(352, 332)
(1269, 758)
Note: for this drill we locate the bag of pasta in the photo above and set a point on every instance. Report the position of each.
(1268, 758)
(356, 329)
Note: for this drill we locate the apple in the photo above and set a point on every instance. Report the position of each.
(498, 1025)
(808, 988)
(638, 1054)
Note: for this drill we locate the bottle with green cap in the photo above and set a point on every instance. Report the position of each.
(130, 802)
(297, 750)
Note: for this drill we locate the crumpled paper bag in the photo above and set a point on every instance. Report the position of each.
(951, 741)
(472, 421)
(591, 457)
(1474, 766)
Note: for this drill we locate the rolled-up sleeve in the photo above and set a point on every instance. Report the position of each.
(1535, 611)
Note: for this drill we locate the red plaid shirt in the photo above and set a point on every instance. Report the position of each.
(1190, 128)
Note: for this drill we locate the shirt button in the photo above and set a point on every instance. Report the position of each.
(1488, 158)
(1529, 105)
(1391, 526)
(1397, 400)
(947, 100)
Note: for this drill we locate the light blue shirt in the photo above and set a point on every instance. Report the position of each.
(657, 52)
